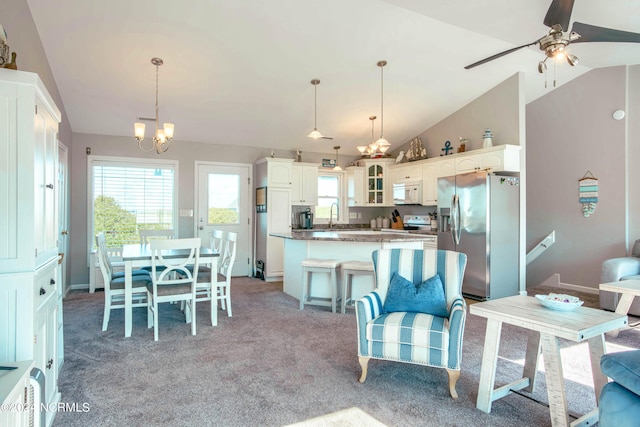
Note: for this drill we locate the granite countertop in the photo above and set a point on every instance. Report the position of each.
(354, 236)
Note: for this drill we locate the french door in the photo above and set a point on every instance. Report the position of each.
(223, 203)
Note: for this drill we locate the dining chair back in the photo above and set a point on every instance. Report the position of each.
(174, 270)
(114, 283)
(218, 288)
(147, 235)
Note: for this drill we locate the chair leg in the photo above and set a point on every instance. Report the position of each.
(107, 313)
(334, 290)
(454, 374)
(364, 362)
(155, 320)
(227, 297)
(192, 305)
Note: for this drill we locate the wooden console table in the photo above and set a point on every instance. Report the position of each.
(544, 327)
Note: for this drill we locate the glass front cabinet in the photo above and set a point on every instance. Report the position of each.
(377, 184)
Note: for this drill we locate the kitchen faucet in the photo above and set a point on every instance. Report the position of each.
(331, 215)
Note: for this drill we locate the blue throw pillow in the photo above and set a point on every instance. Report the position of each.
(427, 297)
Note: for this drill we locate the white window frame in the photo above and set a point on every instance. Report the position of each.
(343, 217)
(126, 161)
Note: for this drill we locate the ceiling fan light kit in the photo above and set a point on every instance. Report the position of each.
(163, 135)
(555, 43)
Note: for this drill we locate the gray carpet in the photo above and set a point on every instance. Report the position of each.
(273, 365)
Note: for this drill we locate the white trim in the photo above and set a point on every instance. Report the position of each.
(554, 282)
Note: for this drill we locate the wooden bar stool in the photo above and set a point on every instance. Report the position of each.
(350, 269)
(317, 265)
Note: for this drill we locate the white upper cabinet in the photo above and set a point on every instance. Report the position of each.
(501, 158)
(405, 172)
(377, 183)
(304, 184)
(355, 186)
(279, 172)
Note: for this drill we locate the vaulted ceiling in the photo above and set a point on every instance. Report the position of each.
(238, 72)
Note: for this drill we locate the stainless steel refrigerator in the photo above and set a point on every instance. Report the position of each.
(479, 215)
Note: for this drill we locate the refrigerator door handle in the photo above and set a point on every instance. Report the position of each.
(454, 219)
(458, 220)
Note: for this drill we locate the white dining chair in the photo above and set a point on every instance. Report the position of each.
(147, 235)
(172, 279)
(220, 286)
(114, 283)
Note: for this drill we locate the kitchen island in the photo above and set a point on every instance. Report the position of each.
(343, 245)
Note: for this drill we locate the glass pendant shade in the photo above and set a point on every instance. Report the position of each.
(315, 134)
(139, 131)
(168, 130)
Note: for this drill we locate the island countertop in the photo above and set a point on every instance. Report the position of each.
(355, 236)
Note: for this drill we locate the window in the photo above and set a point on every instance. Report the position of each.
(128, 195)
(329, 192)
(223, 200)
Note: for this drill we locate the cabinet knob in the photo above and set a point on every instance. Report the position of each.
(50, 186)
(49, 363)
(52, 282)
(43, 291)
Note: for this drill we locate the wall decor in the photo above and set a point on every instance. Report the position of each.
(447, 148)
(261, 199)
(416, 150)
(328, 163)
(588, 193)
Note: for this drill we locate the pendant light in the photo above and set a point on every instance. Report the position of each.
(315, 133)
(382, 142)
(163, 135)
(337, 166)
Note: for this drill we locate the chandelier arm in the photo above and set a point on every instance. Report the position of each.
(141, 145)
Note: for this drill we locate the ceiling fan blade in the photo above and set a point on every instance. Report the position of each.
(326, 137)
(591, 33)
(559, 13)
(499, 55)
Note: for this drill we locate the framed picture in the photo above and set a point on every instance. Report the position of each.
(328, 163)
(261, 199)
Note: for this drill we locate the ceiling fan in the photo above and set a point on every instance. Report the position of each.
(555, 42)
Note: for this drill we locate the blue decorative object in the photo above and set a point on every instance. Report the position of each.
(447, 148)
(426, 297)
(619, 404)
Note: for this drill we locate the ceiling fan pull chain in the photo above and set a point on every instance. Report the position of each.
(554, 73)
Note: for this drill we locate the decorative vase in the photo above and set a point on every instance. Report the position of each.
(487, 139)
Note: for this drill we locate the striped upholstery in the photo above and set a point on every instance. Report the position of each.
(414, 337)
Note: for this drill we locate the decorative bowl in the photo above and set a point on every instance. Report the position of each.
(560, 302)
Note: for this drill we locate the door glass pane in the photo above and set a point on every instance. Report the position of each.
(224, 191)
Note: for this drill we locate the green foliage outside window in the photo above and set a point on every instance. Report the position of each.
(118, 225)
(223, 216)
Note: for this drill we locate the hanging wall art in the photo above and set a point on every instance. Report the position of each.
(588, 193)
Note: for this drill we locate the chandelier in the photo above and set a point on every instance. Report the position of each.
(373, 149)
(160, 141)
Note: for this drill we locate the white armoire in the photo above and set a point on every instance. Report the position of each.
(30, 288)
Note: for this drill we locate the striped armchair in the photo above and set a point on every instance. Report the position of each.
(419, 338)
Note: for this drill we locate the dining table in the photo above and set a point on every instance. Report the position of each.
(139, 255)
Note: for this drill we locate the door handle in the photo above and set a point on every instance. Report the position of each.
(201, 228)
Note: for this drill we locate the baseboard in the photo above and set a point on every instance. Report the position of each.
(554, 282)
(79, 287)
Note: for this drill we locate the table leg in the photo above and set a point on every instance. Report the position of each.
(489, 361)
(623, 308)
(596, 351)
(531, 359)
(555, 380)
(127, 298)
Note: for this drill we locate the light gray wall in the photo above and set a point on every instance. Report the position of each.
(498, 109)
(570, 131)
(633, 155)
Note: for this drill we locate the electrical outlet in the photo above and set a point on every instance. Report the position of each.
(353, 215)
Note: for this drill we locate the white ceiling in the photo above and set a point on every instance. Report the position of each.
(238, 72)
